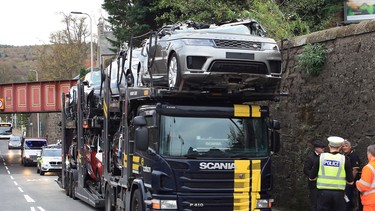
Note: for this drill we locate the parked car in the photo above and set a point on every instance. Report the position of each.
(50, 160)
(230, 56)
(31, 149)
(15, 142)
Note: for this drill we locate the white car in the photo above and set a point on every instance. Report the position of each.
(50, 160)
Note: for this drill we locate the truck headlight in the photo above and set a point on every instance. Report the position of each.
(264, 203)
(164, 204)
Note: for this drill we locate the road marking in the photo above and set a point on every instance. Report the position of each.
(8, 171)
(19, 188)
(15, 183)
(12, 177)
(28, 198)
(6, 167)
(33, 180)
(40, 208)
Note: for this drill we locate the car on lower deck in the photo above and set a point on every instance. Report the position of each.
(50, 160)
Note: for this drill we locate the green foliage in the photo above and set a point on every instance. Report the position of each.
(316, 14)
(312, 59)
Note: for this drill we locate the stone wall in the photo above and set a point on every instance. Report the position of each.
(52, 127)
(340, 101)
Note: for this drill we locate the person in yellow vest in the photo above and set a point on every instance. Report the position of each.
(332, 171)
(366, 185)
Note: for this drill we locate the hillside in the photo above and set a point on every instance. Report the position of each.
(15, 63)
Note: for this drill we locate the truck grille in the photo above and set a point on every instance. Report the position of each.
(238, 44)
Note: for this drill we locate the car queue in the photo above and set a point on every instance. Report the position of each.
(37, 152)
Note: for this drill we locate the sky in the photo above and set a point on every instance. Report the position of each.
(30, 22)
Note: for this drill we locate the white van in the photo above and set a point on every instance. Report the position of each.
(31, 148)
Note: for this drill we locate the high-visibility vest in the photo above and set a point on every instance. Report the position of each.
(331, 173)
(366, 185)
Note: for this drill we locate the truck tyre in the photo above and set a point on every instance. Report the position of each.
(98, 182)
(136, 201)
(73, 188)
(67, 185)
(108, 202)
(174, 72)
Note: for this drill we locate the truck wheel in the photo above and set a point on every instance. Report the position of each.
(67, 185)
(98, 181)
(136, 201)
(174, 72)
(73, 188)
(108, 202)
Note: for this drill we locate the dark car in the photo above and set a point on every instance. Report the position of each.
(15, 142)
(232, 56)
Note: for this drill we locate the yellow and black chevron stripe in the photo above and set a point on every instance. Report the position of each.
(247, 182)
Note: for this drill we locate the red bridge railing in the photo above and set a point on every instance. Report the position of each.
(33, 97)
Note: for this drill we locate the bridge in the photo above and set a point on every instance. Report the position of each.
(33, 97)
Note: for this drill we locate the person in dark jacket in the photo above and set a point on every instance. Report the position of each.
(332, 171)
(318, 148)
(355, 162)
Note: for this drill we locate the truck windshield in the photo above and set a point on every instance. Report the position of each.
(213, 137)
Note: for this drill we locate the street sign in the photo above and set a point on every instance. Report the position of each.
(2, 104)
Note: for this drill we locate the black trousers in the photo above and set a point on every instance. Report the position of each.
(313, 198)
(330, 200)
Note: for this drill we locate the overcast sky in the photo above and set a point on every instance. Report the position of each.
(30, 22)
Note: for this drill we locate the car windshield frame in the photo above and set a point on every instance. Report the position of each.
(51, 152)
(35, 144)
(237, 29)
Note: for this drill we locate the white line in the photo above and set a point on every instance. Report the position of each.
(8, 171)
(12, 177)
(41, 209)
(6, 167)
(15, 183)
(19, 188)
(28, 198)
(32, 208)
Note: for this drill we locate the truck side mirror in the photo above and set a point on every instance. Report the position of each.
(275, 141)
(275, 124)
(141, 133)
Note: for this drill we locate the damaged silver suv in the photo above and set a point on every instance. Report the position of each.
(231, 56)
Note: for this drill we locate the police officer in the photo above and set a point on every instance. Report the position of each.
(319, 147)
(332, 171)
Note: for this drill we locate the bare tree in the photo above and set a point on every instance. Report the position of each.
(68, 52)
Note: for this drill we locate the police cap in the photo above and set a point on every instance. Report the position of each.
(335, 141)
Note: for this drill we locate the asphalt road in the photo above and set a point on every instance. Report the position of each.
(23, 189)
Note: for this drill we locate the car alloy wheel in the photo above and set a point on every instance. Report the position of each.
(173, 72)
